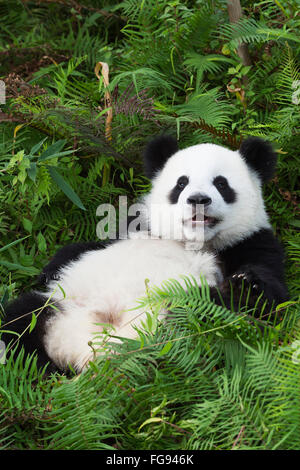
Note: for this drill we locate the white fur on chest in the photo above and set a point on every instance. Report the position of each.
(102, 285)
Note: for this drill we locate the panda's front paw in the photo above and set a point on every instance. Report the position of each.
(247, 278)
(244, 287)
(241, 289)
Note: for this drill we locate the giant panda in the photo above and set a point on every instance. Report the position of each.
(204, 216)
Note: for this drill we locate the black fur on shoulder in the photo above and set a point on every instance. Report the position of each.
(18, 316)
(73, 252)
(260, 156)
(256, 263)
(157, 152)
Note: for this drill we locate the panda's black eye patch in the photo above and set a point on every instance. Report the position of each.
(182, 182)
(220, 182)
(222, 185)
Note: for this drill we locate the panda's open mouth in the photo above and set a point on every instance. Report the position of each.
(203, 219)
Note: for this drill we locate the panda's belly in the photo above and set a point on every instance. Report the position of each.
(100, 287)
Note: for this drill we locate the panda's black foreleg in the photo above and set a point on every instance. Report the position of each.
(253, 274)
(18, 318)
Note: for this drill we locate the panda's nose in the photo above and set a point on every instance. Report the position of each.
(199, 198)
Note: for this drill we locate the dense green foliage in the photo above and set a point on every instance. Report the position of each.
(209, 379)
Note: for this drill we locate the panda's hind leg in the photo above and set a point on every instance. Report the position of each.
(18, 319)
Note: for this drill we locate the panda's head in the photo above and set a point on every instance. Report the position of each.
(210, 191)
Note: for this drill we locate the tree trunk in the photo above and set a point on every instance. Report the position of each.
(235, 13)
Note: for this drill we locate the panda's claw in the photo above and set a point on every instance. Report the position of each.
(246, 278)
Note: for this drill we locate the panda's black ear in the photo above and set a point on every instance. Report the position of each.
(157, 152)
(260, 156)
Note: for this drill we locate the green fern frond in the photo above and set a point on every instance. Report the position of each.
(197, 30)
(206, 63)
(248, 30)
(287, 78)
(207, 105)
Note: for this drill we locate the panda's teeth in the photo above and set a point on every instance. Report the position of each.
(201, 218)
